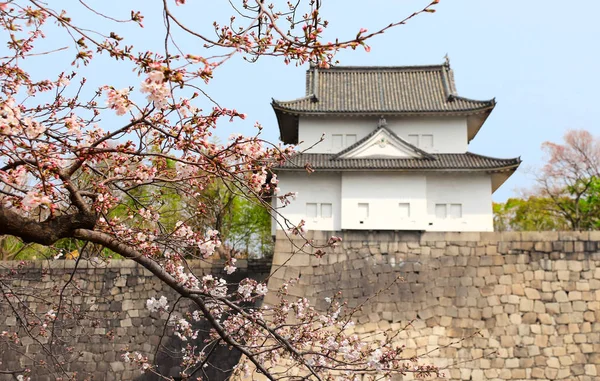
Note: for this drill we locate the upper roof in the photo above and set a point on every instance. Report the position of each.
(370, 90)
(384, 89)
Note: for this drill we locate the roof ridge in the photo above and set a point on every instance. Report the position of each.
(311, 97)
(490, 157)
(380, 68)
(493, 100)
(446, 84)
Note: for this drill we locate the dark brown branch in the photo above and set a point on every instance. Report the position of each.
(45, 232)
(127, 251)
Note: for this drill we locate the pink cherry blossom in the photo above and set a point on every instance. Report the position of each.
(126, 170)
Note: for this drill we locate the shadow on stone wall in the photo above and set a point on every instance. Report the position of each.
(111, 300)
(223, 358)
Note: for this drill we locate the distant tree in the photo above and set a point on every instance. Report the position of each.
(243, 223)
(530, 214)
(570, 178)
(567, 191)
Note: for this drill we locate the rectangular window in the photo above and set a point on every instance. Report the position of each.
(455, 210)
(338, 140)
(311, 210)
(363, 211)
(427, 141)
(350, 139)
(404, 211)
(326, 211)
(440, 211)
(414, 140)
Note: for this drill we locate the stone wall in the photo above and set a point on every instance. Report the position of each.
(533, 299)
(516, 306)
(103, 315)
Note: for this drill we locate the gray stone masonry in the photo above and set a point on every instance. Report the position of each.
(113, 318)
(531, 299)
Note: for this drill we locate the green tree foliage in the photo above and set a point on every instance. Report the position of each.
(567, 191)
(531, 214)
(575, 210)
(244, 224)
(587, 208)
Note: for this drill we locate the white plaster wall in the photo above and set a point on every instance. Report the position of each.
(314, 188)
(473, 191)
(310, 130)
(383, 192)
(449, 133)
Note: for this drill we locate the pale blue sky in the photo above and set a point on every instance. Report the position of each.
(538, 58)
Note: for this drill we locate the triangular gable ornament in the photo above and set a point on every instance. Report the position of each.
(383, 143)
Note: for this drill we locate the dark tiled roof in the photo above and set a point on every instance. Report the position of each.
(445, 161)
(382, 90)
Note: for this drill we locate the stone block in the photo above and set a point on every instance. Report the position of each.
(576, 266)
(525, 305)
(537, 373)
(544, 247)
(117, 366)
(510, 236)
(561, 296)
(532, 293)
(591, 370)
(491, 250)
(575, 295)
(573, 236)
(539, 236)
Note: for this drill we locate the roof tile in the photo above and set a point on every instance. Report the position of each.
(448, 161)
(397, 90)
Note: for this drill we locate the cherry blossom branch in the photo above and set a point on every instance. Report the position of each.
(128, 252)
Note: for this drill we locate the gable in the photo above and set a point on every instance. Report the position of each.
(382, 144)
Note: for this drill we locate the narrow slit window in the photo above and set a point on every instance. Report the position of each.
(338, 140)
(455, 210)
(414, 140)
(363, 211)
(326, 210)
(311, 210)
(404, 210)
(440, 211)
(427, 141)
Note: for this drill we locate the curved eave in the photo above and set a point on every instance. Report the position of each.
(499, 177)
(301, 112)
(499, 171)
(288, 126)
(510, 169)
(475, 121)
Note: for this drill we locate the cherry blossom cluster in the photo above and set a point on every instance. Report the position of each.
(155, 305)
(157, 89)
(138, 359)
(124, 168)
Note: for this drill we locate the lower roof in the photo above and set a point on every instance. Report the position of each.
(499, 169)
(438, 161)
